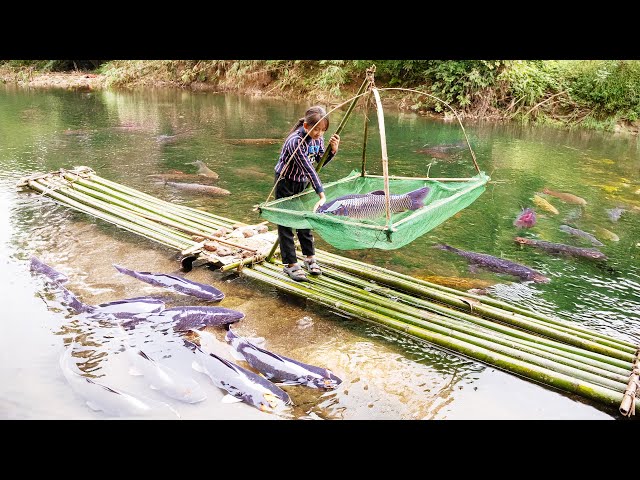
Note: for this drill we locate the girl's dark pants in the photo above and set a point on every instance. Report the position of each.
(286, 188)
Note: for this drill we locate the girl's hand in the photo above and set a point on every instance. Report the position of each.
(320, 202)
(334, 141)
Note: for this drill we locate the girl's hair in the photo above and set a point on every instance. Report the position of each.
(311, 117)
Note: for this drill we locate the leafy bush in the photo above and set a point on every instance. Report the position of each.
(608, 87)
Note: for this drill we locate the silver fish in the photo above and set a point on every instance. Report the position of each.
(178, 284)
(279, 368)
(127, 308)
(579, 233)
(163, 378)
(110, 400)
(196, 317)
(240, 383)
(38, 266)
(120, 309)
(372, 204)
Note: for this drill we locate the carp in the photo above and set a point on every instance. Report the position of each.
(372, 204)
(567, 197)
(526, 219)
(499, 265)
(197, 187)
(561, 249)
(545, 205)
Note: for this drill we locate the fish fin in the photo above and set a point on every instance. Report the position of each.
(473, 268)
(376, 192)
(197, 367)
(94, 406)
(288, 382)
(134, 371)
(228, 398)
(417, 197)
(237, 355)
(257, 341)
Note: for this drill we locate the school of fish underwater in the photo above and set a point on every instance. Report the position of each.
(257, 386)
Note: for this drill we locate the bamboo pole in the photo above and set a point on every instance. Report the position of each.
(366, 133)
(385, 158)
(154, 204)
(158, 208)
(606, 346)
(628, 404)
(112, 209)
(484, 299)
(495, 340)
(147, 214)
(539, 374)
(132, 227)
(615, 368)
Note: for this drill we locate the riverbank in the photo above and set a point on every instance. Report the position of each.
(263, 87)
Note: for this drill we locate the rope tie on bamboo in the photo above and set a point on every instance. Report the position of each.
(630, 392)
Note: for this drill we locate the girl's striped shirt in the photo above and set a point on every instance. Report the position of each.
(300, 167)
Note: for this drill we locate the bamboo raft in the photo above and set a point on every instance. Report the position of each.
(534, 346)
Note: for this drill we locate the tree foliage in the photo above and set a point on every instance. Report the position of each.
(593, 93)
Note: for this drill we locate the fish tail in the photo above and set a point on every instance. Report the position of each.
(417, 197)
(443, 246)
(190, 345)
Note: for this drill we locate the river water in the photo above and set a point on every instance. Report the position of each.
(125, 136)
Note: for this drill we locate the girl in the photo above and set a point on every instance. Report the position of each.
(303, 147)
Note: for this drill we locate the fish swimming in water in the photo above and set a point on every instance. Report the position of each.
(615, 213)
(38, 266)
(574, 215)
(120, 309)
(183, 177)
(579, 233)
(178, 284)
(372, 204)
(241, 384)
(163, 378)
(203, 169)
(604, 233)
(127, 307)
(196, 317)
(281, 369)
(499, 265)
(561, 249)
(197, 187)
(444, 150)
(567, 197)
(526, 219)
(545, 205)
(110, 400)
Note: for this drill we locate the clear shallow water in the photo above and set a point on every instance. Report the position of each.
(127, 136)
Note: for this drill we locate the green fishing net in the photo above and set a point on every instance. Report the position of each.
(444, 200)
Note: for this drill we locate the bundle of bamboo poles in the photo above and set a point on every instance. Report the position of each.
(535, 346)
